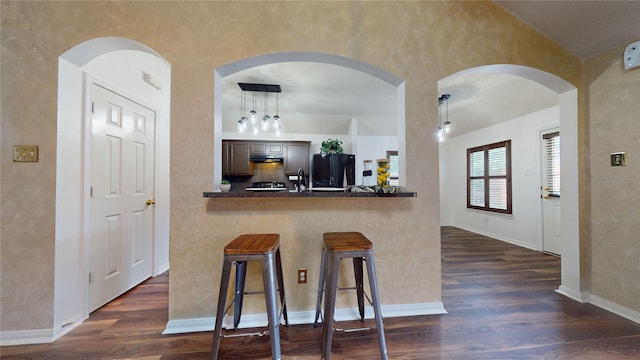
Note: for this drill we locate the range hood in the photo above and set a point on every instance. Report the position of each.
(266, 159)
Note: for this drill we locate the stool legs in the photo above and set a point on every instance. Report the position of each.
(330, 288)
(329, 279)
(377, 309)
(269, 278)
(271, 275)
(222, 298)
(281, 287)
(320, 287)
(357, 270)
(241, 275)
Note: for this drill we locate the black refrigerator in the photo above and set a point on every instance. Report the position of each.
(333, 170)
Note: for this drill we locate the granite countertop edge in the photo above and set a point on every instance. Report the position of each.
(306, 194)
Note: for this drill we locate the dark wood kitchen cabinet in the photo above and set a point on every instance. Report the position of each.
(267, 148)
(235, 158)
(296, 156)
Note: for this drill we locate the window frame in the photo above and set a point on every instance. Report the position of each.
(486, 177)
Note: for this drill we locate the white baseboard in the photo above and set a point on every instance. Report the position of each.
(498, 237)
(161, 269)
(570, 293)
(614, 308)
(302, 317)
(40, 336)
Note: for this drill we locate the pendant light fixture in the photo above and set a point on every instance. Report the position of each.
(276, 117)
(444, 127)
(242, 123)
(266, 124)
(266, 119)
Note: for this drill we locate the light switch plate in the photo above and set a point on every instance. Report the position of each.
(25, 153)
(619, 159)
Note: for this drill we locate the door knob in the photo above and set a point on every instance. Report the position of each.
(546, 197)
(546, 188)
(151, 202)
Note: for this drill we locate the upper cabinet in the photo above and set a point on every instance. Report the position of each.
(236, 158)
(296, 157)
(236, 155)
(267, 148)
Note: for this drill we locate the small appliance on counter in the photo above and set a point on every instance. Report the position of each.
(267, 186)
(333, 170)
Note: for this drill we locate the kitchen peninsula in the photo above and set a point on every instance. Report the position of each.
(305, 194)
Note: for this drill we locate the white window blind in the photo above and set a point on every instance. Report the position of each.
(552, 163)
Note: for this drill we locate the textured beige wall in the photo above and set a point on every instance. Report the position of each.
(420, 42)
(614, 248)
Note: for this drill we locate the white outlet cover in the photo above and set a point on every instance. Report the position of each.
(631, 56)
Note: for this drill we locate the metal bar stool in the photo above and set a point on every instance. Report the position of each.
(253, 247)
(337, 246)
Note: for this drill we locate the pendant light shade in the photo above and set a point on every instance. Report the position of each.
(444, 125)
(266, 124)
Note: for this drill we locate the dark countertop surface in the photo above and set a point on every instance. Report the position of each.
(305, 194)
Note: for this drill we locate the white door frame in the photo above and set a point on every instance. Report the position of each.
(121, 61)
(543, 225)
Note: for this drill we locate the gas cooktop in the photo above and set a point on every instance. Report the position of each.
(267, 186)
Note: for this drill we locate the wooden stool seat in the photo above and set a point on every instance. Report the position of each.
(338, 246)
(252, 247)
(346, 241)
(252, 244)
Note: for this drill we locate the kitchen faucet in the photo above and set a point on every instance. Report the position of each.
(302, 180)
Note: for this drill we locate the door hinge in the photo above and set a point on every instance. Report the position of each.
(91, 192)
(90, 278)
(93, 107)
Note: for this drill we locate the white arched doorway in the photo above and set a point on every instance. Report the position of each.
(568, 123)
(120, 64)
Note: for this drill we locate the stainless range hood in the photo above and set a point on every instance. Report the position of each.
(266, 159)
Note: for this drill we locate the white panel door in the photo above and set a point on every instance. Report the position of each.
(122, 182)
(551, 220)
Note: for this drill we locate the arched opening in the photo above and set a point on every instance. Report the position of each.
(107, 60)
(567, 109)
(307, 57)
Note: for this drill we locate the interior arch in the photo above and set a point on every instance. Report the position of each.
(568, 108)
(315, 57)
(106, 60)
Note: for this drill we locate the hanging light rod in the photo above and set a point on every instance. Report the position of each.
(260, 87)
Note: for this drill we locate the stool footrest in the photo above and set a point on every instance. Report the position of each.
(260, 334)
(353, 330)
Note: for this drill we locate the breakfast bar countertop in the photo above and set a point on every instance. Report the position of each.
(307, 194)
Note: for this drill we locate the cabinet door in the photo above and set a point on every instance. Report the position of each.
(266, 148)
(236, 159)
(296, 156)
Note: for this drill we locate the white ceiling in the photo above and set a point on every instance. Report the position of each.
(316, 98)
(323, 98)
(586, 28)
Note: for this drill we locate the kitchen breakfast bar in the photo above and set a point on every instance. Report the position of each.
(304, 194)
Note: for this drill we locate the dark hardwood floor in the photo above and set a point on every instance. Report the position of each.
(500, 299)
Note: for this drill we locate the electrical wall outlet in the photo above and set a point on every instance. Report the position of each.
(25, 153)
(619, 159)
(302, 276)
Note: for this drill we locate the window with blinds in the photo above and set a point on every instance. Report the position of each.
(552, 163)
(489, 177)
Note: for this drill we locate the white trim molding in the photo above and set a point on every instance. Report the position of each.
(39, 336)
(614, 308)
(180, 326)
